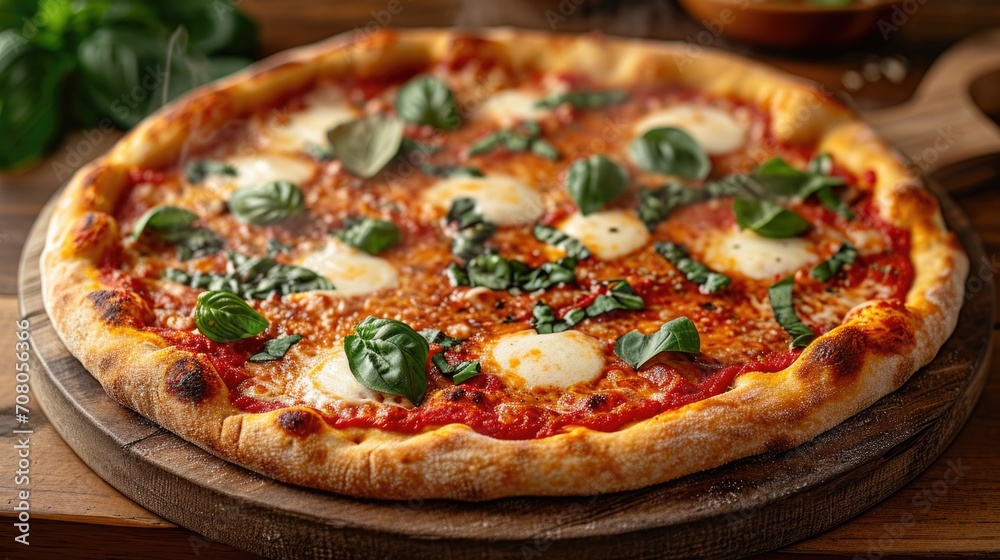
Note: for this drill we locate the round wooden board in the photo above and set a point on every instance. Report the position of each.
(750, 506)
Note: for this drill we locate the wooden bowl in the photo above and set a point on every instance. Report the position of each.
(795, 23)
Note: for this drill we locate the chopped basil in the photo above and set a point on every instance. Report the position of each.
(768, 219)
(783, 180)
(225, 317)
(176, 226)
(370, 235)
(388, 356)
(594, 182)
(456, 275)
(524, 137)
(551, 236)
(829, 268)
(670, 151)
(780, 295)
(679, 335)
(620, 296)
(708, 280)
(656, 204)
(460, 372)
(254, 278)
(275, 247)
(427, 100)
(435, 336)
(563, 271)
(197, 171)
(366, 145)
(490, 271)
(497, 273)
(583, 99)
(450, 171)
(473, 231)
(267, 203)
(276, 348)
(543, 318)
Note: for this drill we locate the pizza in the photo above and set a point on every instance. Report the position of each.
(469, 265)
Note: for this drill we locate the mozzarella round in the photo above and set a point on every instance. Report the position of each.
(609, 234)
(330, 381)
(260, 169)
(325, 109)
(715, 130)
(548, 360)
(510, 106)
(500, 199)
(352, 272)
(754, 256)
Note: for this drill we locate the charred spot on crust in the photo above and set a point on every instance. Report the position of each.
(843, 355)
(112, 305)
(188, 381)
(298, 422)
(108, 361)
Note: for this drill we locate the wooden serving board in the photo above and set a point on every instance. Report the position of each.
(749, 506)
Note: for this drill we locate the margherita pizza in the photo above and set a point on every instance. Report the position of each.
(473, 265)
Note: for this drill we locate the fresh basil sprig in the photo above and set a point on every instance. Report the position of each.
(176, 226)
(829, 268)
(551, 236)
(670, 151)
(583, 99)
(197, 171)
(679, 335)
(458, 373)
(708, 280)
(435, 336)
(780, 295)
(768, 219)
(276, 348)
(524, 137)
(253, 278)
(367, 144)
(594, 182)
(225, 317)
(427, 100)
(267, 203)
(473, 230)
(387, 355)
(370, 235)
(656, 204)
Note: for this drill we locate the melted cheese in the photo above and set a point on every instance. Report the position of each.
(330, 381)
(509, 107)
(502, 200)
(260, 169)
(352, 272)
(717, 131)
(754, 256)
(325, 109)
(609, 235)
(548, 360)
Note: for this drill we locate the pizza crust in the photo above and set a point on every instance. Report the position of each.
(843, 372)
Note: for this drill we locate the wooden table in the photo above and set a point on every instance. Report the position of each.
(951, 509)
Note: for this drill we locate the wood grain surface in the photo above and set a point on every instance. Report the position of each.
(75, 514)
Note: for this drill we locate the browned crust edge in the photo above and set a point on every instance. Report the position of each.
(874, 352)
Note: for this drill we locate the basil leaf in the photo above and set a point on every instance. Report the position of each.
(679, 335)
(740, 186)
(473, 231)
(780, 295)
(656, 204)
(267, 203)
(198, 242)
(366, 145)
(829, 268)
(388, 356)
(594, 182)
(275, 349)
(450, 171)
(545, 149)
(708, 280)
(583, 99)
(460, 372)
(428, 100)
(225, 317)
(457, 275)
(497, 273)
(524, 137)
(781, 179)
(768, 219)
(197, 171)
(620, 296)
(171, 222)
(543, 318)
(254, 278)
(670, 151)
(370, 235)
(551, 236)
(547, 275)
(435, 336)
(275, 247)
(463, 213)
(490, 271)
